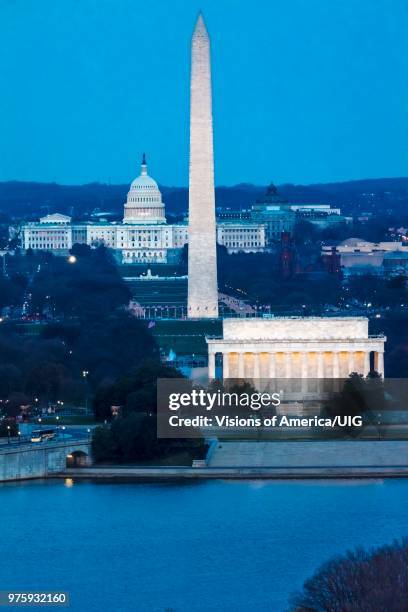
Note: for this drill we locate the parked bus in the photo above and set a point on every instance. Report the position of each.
(40, 435)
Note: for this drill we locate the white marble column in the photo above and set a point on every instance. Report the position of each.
(336, 365)
(351, 364)
(241, 365)
(304, 371)
(211, 365)
(366, 363)
(225, 365)
(257, 368)
(288, 365)
(320, 364)
(304, 365)
(272, 365)
(379, 362)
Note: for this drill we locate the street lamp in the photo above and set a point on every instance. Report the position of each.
(89, 433)
(63, 431)
(8, 433)
(85, 374)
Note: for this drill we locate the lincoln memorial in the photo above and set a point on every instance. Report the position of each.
(296, 347)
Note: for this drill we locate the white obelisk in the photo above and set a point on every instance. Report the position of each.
(202, 254)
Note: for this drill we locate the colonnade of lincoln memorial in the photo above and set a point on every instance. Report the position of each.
(289, 347)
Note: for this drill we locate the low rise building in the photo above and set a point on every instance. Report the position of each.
(322, 215)
(144, 236)
(296, 347)
(280, 216)
(355, 256)
(241, 236)
(51, 233)
(395, 263)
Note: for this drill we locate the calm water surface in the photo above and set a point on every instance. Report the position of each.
(186, 547)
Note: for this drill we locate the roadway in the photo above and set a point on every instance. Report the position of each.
(71, 432)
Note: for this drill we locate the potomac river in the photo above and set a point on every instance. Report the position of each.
(208, 545)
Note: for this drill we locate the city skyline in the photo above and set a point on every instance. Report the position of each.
(92, 85)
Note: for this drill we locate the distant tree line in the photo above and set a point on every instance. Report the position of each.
(26, 199)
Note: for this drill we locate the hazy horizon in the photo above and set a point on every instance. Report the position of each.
(217, 185)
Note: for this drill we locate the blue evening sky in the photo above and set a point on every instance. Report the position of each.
(304, 90)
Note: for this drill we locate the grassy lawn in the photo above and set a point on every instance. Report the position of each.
(210, 327)
(159, 292)
(135, 270)
(185, 337)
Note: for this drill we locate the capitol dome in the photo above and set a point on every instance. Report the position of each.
(144, 201)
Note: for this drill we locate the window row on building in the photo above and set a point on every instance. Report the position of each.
(58, 234)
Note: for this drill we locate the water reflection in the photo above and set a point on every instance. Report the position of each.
(251, 543)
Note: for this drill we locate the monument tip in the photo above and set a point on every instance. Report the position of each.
(200, 27)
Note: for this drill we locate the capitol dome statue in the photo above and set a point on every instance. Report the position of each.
(144, 201)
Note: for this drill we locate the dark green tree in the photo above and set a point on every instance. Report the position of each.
(360, 580)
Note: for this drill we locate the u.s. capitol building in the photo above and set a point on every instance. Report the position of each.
(144, 236)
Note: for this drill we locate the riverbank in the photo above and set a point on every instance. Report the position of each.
(345, 459)
(163, 474)
(230, 460)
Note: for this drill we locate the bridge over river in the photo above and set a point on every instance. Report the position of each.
(23, 461)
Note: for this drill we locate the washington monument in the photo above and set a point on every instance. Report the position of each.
(202, 256)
